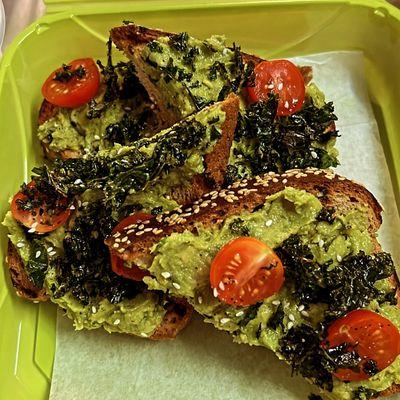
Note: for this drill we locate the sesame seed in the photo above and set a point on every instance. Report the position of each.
(221, 285)
(284, 181)
(143, 334)
(139, 233)
(290, 325)
(94, 309)
(305, 313)
(301, 307)
(166, 274)
(158, 231)
(270, 86)
(117, 321)
(215, 292)
(275, 180)
(32, 230)
(239, 314)
(97, 137)
(85, 203)
(52, 253)
(269, 222)
(72, 207)
(280, 86)
(38, 253)
(176, 285)
(200, 299)
(118, 240)
(321, 243)
(116, 245)
(291, 317)
(147, 229)
(124, 239)
(117, 234)
(339, 258)
(141, 226)
(224, 320)
(78, 181)
(286, 105)
(20, 245)
(314, 154)
(276, 302)
(229, 199)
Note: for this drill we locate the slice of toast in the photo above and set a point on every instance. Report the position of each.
(215, 207)
(131, 39)
(175, 319)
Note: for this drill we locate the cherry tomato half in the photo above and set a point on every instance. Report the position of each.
(283, 78)
(117, 264)
(372, 336)
(72, 85)
(34, 210)
(246, 271)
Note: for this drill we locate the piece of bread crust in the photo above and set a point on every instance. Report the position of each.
(132, 38)
(333, 191)
(22, 284)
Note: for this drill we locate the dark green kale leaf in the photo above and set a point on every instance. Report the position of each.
(37, 265)
(85, 269)
(155, 47)
(239, 227)
(282, 143)
(313, 396)
(301, 348)
(157, 210)
(363, 393)
(66, 73)
(249, 314)
(179, 42)
(327, 214)
(190, 57)
(348, 286)
(276, 320)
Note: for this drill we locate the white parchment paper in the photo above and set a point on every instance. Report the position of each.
(204, 363)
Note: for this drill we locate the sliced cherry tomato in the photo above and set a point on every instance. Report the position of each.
(374, 338)
(283, 78)
(117, 264)
(246, 271)
(72, 85)
(36, 211)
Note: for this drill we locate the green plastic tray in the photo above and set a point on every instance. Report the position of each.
(269, 28)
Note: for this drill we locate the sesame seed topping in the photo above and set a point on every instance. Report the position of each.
(176, 285)
(143, 334)
(221, 285)
(280, 86)
(269, 222)
(275, 180)
(78, 181)
(72, 207)
(117, 234)
(166, 274)
(20, 245)
(286, 105)
(239, 313)
(284, 181)
(290, 325)
(147, 229)
(270, 86)
(139, 233)
(224, 320)
(94, 309)
(291, 317)
(321, 243)
(38, 253)
(117, 321)
(97, 137)
(276, 302)
(339, 258)
(305, 313)
(124, 239)
(301, 307)
(200, 299)
(52, 253)
(215, 292)
(213, 205)
(116, 245)
(314, 154)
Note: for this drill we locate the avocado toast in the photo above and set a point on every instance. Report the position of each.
(71, 264)
(323, 229)
(183, 74)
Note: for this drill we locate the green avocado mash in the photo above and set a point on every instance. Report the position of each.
(184, 65)
(186, 257)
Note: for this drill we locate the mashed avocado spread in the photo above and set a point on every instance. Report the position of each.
(186, 257)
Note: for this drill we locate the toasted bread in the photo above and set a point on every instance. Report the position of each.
(214, 207)
(210, 210)
(176, 318)
(132, 38)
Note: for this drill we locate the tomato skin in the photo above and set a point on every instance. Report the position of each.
(77, 91)
(117, 264)
(246, 271)
(283, 78)
(371, 335)
(38, 218)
